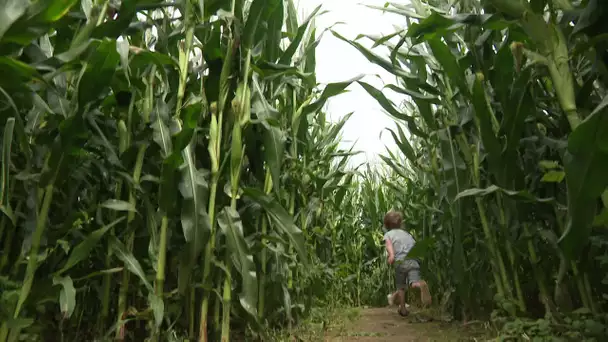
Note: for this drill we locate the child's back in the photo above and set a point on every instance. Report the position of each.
(402, 241)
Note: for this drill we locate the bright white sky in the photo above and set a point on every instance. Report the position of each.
(339, 61)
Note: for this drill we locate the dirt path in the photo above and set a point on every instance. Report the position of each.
(384, 324)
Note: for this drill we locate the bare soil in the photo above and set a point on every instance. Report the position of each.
(384, 324)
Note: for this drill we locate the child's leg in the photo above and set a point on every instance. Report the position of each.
(417, 283)
(425, 294)
(401, 284)
(400, 296)
(393, 298)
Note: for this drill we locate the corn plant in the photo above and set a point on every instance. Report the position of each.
(505, 110)
(152, 161)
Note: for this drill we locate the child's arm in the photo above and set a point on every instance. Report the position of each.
(390, 250)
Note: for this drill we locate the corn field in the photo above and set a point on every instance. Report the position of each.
(506, 154)
(169, 173)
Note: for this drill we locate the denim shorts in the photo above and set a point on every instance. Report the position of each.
(406, 272)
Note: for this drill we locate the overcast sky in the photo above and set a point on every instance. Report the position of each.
(339, 61)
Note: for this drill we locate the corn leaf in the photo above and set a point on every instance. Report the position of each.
(280, 219)
(98, 73)
(67, 296)
(230, 223)
(129, 260)
(521, 194)
(585, 163)
(83, 249)
(11, 11)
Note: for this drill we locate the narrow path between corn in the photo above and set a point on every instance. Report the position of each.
(384, 324)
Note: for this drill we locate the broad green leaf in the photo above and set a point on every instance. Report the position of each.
(310, 64)
(404, 144)
(414, 94)
(253, 18)
(486, 117)
(83, 249)
(128, 10)
(516, 112)
(224, 85)
(548, 164)
(381, 40)
(98, 74)
(54, 163)
(141, 60)
(292, 20)
(230, 223)
(87, 6)
(275, 19)
(386, 104)
(14, 72)
(11, 11)
(585, 163)
(280, 219)
(398, 169)
(331, 89)
(167, 196)
(271, 71)
(98, 273)
(449, 63)
(520, 195)
(7, 140)
(129, 260)
(158, 308)
(162, 135)
(343, 189)
(193, 188)
(375, 58)
(118, 205)
(56, 9)
(601, 219)
(295, 42)
(67, 296)
(6, 210)
(400, 11)
(590, 16)
(392, 111)
(553, 176)
(60, 60)
(422, 248)
(387, 64)
(437, 24)
(273, 138)
(19, 323)
(274, 148)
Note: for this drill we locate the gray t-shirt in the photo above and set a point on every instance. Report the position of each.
(402, 242)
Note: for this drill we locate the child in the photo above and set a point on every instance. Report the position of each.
(407, 271)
